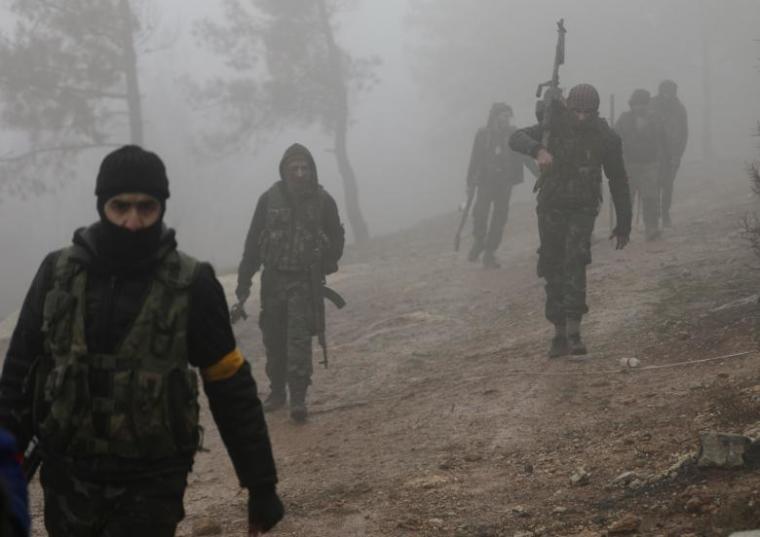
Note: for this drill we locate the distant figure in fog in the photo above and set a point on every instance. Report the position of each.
(295, 226)
(494, 169)
(674, 118)
(645, 151)
(580, 145)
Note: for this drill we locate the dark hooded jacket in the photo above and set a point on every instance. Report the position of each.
(580, 156)
(643, 137)
(491, 160)
(114, 296)
(675, 120)
(277, 219)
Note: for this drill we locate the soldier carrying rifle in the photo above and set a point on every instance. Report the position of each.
(572, 145)
(297, 236)
(494, 169)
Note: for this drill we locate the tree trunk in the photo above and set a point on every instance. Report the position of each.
(707, 141)
(134, 103)
(340, 117)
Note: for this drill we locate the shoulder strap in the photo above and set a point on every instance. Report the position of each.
(177, 269)
(66, 267)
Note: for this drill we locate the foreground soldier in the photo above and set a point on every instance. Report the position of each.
(295, 225)
(570, 192)
(645, 150)
(494, 169)
(117, 320)
(672, 114)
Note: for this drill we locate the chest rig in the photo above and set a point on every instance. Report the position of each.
(150, 398)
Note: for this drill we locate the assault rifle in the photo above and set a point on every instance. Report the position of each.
(319, 291)
(458, 237)
(552, 94)
(237, 313)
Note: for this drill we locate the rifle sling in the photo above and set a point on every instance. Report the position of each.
(333, 296)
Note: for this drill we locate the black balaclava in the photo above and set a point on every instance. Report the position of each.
(130, 169)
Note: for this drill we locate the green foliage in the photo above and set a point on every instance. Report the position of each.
(62, 86)
(281, 69)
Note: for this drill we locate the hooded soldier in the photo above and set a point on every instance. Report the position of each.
(295, 225)
(102, 366)
(581, 145)
(494, 169)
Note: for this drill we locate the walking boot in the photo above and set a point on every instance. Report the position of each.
(275, 400)
(559, 342)
(298, 410)
(574, 341)
(475, 251)
(490, 261)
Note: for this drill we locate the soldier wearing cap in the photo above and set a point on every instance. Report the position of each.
(581, 145)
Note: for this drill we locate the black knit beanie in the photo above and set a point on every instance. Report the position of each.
(131, 169)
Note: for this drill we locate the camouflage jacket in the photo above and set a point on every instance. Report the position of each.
(580, 156)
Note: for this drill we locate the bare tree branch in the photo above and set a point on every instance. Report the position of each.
(61, 148)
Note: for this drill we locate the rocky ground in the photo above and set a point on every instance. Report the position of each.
(440, 414)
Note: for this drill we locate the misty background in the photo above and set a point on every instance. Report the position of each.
(441, 65)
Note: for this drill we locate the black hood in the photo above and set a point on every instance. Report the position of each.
(496, 109)
(92, 250)
(301, 151)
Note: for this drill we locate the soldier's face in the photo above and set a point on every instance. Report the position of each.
(133, 211)
(582, 117)
(503, 120)
(298, 173)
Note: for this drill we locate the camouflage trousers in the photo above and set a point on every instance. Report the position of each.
(644, 181)
(286, 326)
(150, 507)
(562, 258)
(494, 194)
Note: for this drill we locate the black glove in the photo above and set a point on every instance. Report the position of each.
(265, 509)
(237, 312)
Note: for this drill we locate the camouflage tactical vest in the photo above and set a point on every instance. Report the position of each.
(152, 406)
(293, 238)
(576, 182)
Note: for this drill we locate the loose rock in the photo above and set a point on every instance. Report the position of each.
(628, 524)
(580, 478)
(721, 450)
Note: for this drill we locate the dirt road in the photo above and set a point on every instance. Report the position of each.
(440, 414)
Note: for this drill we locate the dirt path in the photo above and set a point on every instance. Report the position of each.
(440, 415)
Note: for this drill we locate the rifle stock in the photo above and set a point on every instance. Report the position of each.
(319, 291)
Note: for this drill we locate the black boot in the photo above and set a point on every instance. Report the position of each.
(490, 261)
(574, 341)
(559, 342)
(298, 410)
(476, 250)
(275, 400)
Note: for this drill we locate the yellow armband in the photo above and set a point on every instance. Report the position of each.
(224, 368)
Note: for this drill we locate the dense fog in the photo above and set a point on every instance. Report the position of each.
(441, 65)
